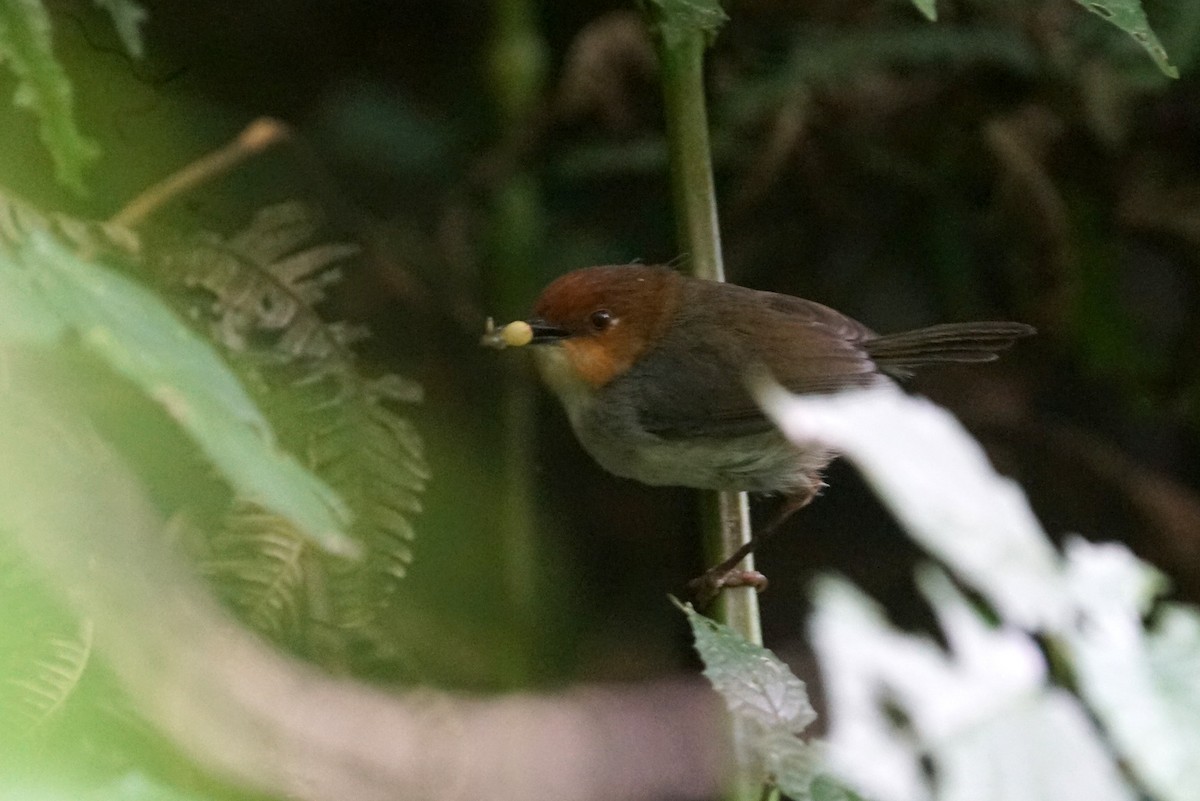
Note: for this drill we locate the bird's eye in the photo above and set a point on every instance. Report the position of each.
(602, 319)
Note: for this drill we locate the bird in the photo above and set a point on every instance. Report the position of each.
(652, 367)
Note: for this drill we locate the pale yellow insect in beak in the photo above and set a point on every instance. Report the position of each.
(513, 335)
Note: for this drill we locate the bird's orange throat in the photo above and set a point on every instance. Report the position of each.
(598, 362)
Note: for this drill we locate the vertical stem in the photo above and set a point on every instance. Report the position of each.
(681, 53)
(692, 185)
(682, 37)
(517, 73)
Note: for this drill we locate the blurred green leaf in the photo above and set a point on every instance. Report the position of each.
(127, 18)
(831, 58)
(130, 329)
(25, 316)
(826, 789)
(131, 787)
(43, 86)
(928, 8)
(1129, 16)
(44, 677)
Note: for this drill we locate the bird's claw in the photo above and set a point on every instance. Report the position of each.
(707, 586)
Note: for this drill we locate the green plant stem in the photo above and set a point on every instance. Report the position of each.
(517, 74)
(681, 55)
(692, 185)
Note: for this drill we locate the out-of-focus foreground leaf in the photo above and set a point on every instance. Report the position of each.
(127, 18)
(942, 488)
(25, 45)
(928, 8)
(1128, 15)
(1140, 682)
(1143, 684)
(995, 731)
(131, 330)
(131, 787)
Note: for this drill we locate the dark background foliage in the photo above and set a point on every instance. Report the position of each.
(1018, 160)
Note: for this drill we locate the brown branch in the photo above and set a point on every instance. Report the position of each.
(257, 137)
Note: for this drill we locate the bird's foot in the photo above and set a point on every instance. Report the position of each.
(706, 586)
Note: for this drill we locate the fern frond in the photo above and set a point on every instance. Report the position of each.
(38, 685)
(276, 231)
(262, 292)
(260, 287)
(258, 560)
(376, 461)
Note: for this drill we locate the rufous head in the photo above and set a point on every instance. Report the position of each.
(603, 318)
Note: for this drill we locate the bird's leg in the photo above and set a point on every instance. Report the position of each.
(726, 574)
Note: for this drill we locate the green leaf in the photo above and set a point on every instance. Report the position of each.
(675, 19)
(130, 787)
(791, 764)
(43, 86)
(928, 8)
(1129, 16)
(770, 703)
(754, 683)
(826, 789)
(127, 18)
(128, 327)
(25, 316)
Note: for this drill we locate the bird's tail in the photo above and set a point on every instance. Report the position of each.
(942, 344)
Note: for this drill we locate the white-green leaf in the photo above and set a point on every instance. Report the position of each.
(128, 327)
(791, 764)
(938, 482)
(981, 713)
(1129, 16)
(754, 683)
(769, 704)
(1143, 685)
(826, 789)
(25, 317)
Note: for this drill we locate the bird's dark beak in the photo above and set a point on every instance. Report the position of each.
(520, 333)
(544, 333)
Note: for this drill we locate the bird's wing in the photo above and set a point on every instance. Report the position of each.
(692, 385)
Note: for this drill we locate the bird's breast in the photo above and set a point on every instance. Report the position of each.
(558, 372)
(608, 425)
